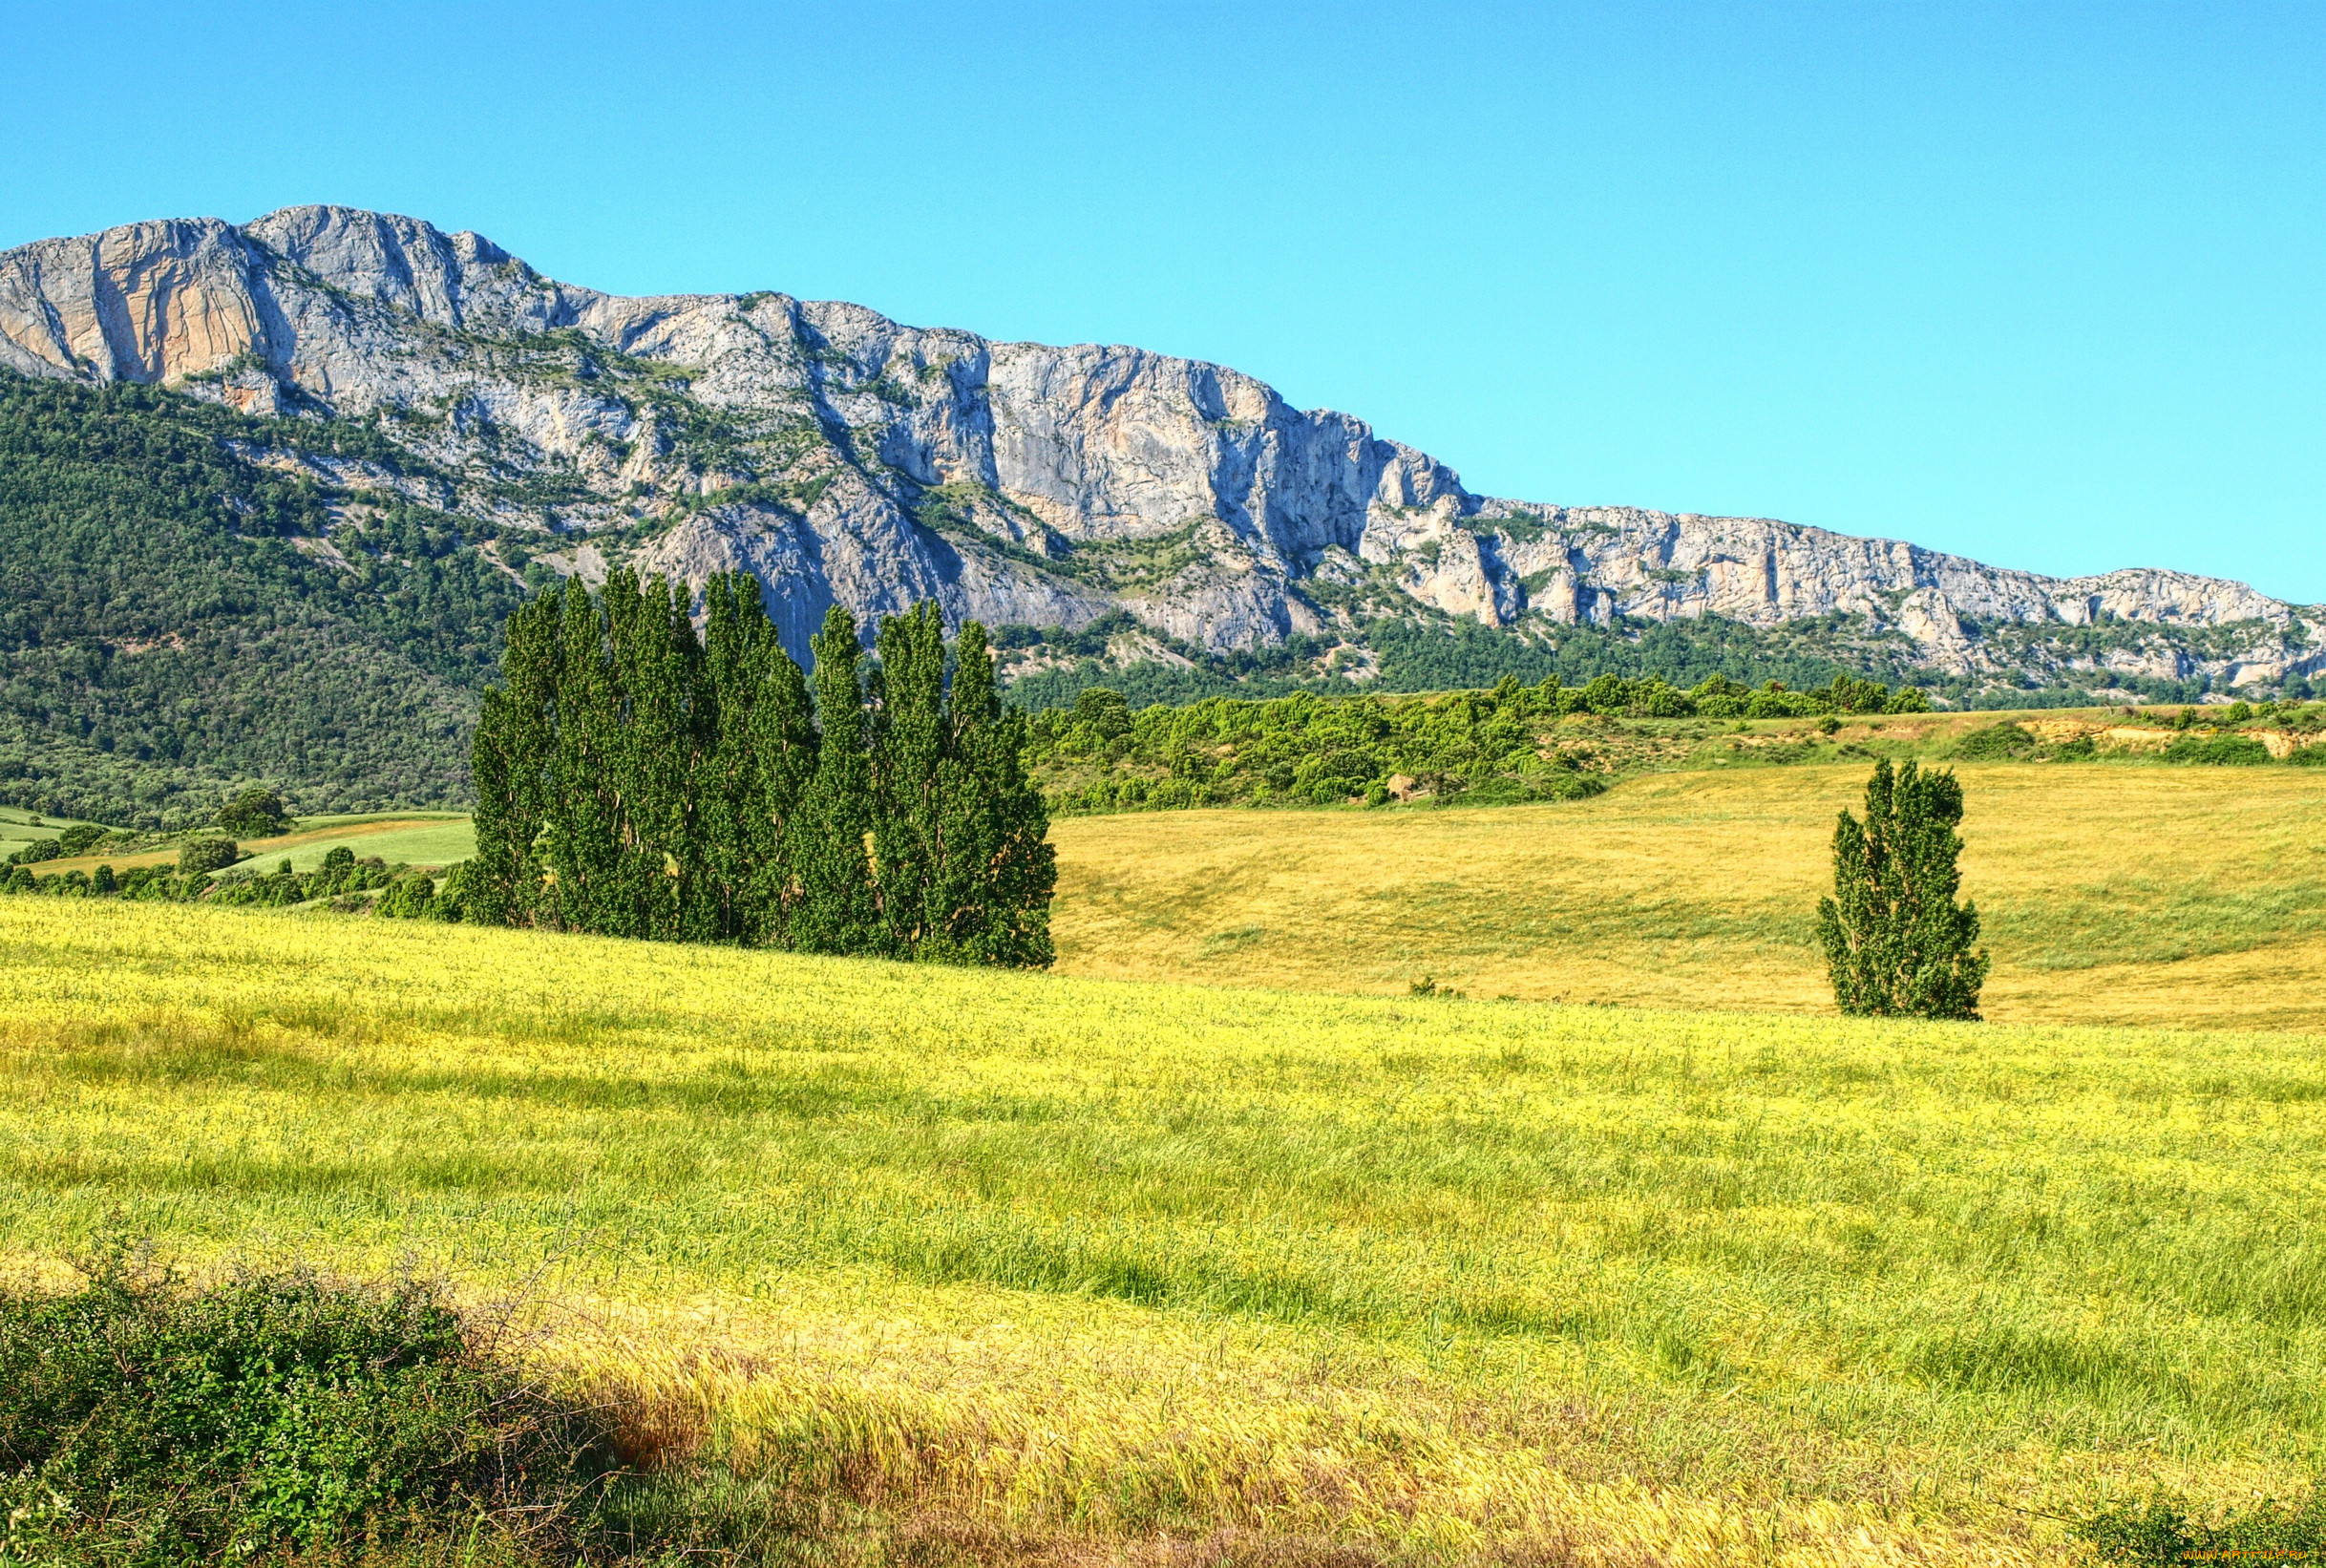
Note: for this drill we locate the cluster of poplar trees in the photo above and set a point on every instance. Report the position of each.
(634, 779)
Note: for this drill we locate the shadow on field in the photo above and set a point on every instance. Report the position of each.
(290, 1417)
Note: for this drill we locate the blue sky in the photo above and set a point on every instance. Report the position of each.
(2044, 285)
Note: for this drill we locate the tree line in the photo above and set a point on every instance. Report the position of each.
(1488, 747)
(634, 779)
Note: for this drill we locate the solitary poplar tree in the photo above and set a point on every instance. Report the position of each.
(1895, 941)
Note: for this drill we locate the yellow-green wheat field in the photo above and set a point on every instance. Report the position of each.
(1090, 1264)
(2112, 893)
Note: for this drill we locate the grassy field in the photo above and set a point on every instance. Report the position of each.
(16, 829)
(430, 839)
(420, 839)
(2112, 893)
(1058, 1264)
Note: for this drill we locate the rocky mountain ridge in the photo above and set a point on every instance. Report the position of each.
(841, 456)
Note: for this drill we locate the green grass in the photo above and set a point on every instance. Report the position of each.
(437, 842)
(1097, 1260)
(16, 829)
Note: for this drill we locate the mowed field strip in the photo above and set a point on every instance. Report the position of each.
(434, 838)
(2111, 893)
(1094, 1259)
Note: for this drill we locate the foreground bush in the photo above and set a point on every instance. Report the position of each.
(2163, 1533)
(146, 1423)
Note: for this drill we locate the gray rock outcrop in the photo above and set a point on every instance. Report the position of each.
(843, 458)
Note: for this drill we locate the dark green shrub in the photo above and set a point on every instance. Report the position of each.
(2162, 1532)
(254, 813)
(75, 839)
(1774, 702)
(1848, 694)
(1605, 694)
(198, 856)
(1654, 699)
(1997, 742)
(2309, 756)
(408, 896)
(449, 903)
(146, 1425)
(2218, 750)
(1104, 711)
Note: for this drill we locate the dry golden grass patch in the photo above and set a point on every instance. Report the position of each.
(2112, 893)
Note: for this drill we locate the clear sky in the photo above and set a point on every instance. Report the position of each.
(2044, 284)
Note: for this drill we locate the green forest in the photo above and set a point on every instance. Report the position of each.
(1430, 653)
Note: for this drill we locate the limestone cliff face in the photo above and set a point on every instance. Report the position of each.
(843, 458)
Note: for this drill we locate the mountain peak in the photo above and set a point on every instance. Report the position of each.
(402, 262)
(844, 457)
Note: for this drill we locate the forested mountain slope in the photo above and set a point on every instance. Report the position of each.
(381, 430)
(171, 621)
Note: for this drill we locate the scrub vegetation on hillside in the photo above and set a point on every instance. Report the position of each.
(1483, 747)
(174, 624)
(1513, 743)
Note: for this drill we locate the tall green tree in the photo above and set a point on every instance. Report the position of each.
(785, 753)
(656, 716)
(999, 869)
(838, 909)
(908, 756)
(1895, 939)
(516, 741)
(758, 746)
(583, 825)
